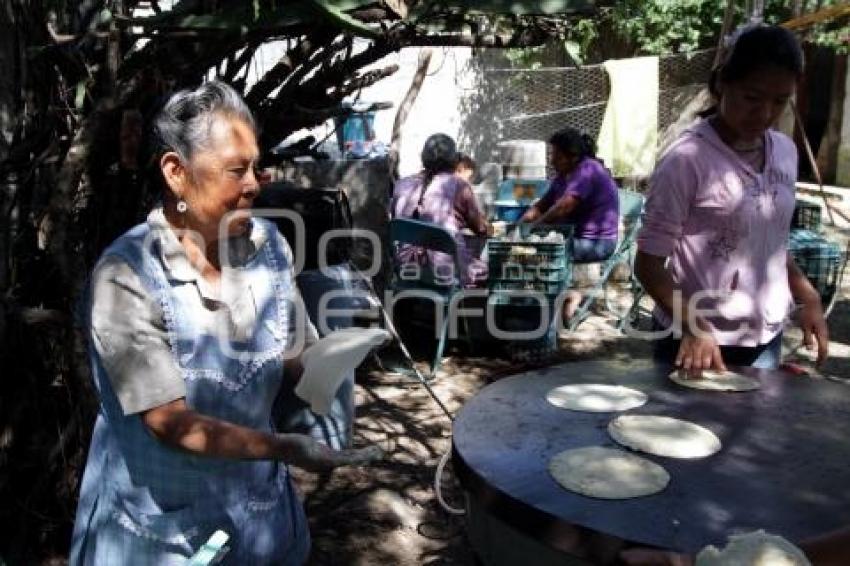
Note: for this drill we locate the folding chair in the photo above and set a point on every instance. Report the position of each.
(441, 290)
(631, 209)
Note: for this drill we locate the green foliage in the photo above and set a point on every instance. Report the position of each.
(664, 26)
(655, 27)
(838, 39)
(835, 34)
(526, 57)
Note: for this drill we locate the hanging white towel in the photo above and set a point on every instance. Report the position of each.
(628, 138)
(327, 362)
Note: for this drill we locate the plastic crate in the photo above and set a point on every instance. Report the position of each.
(527, 317)
(819, 259)
(807, 216)
(534, 351)
(541, 267)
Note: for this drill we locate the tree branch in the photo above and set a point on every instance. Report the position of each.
(404, 110)
(286, 65)
(366, 79)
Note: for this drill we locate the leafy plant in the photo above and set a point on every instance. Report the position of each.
(655, 27)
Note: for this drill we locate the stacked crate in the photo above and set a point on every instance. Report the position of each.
(806, 216)
(819, 259)
(524, 274)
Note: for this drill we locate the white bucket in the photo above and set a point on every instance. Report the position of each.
(522, 159)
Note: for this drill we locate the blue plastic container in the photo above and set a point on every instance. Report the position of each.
(356, 127)
(523, 190)
(509, 210)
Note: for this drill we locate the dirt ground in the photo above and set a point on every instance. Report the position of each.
(388, 513)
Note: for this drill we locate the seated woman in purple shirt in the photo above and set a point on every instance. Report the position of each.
(583, 193)
(437, 195)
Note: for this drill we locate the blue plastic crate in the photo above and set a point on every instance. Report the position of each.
(807, 216)
(527, 317)
(540, 267)
(819, 259)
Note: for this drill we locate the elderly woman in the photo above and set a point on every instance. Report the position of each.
(192, 317)
(440, 196)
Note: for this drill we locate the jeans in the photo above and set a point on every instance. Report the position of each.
(763, 356)
(587, 250)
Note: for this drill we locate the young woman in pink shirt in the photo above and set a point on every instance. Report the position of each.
(713, 248)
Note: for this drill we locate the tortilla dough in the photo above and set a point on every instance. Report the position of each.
(596, 397)
(663, 436)
(712, 380)
(753, 549)
(607, 473)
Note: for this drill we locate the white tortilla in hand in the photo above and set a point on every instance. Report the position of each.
(663, 436)
(596, 397)
(753, 549)
(712, 380)
(328, 361)
(607, 473)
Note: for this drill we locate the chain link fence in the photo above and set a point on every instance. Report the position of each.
(512, 103)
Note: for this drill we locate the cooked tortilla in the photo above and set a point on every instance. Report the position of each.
(596, 397)
(607, 473)
(712, 380)
(753, 549)
(663, 436)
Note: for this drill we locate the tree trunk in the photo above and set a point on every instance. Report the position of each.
(404, 110)
(9, 78)
(827, 159)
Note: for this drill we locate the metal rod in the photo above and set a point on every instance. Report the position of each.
(392, 329)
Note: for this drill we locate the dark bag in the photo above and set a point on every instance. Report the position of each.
(321, 210)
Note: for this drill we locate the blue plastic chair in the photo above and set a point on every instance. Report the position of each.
(631, 209)
(429, 237)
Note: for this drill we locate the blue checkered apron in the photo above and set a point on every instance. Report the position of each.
(142, 502)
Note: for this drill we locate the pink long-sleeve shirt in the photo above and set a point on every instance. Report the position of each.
(724, 227)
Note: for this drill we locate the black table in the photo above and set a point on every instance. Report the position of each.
(784, 466)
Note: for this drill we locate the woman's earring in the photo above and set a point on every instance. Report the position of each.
(182, 207)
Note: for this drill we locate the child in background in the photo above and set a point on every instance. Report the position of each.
(466, 167)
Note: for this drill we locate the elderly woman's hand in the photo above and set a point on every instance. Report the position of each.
(306, 453)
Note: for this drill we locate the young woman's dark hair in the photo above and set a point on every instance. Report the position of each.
(753, 48)
(439, 155)
(570, 140)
